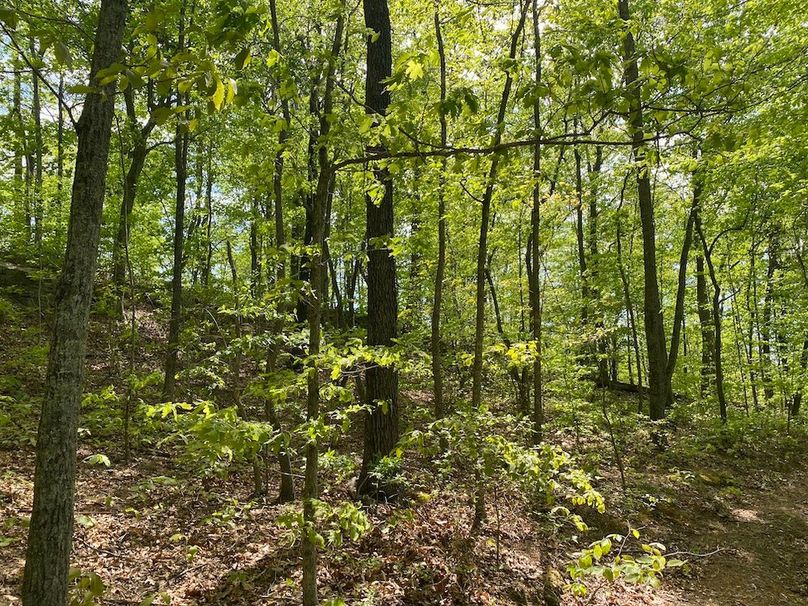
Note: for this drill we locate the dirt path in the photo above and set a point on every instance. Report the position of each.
(758, 537)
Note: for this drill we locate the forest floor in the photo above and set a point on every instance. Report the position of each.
(147, 528)
(155, 527)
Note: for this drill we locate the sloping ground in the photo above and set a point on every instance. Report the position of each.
(147, 528)
(758, 539)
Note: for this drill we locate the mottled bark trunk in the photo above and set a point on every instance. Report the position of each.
(50, 532)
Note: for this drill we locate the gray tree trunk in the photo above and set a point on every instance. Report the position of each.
(47, 558)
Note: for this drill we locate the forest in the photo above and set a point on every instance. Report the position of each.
(401, 303)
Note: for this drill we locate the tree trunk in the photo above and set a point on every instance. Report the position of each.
(440, 270)
(381, 421)
(175, 322)
(316, 260)
(36, 113)
(679, 310)
(534, 269)
(47, 558)
(716, 313)
(766, 327)
(706, 324)
(137, 161)
(659, 386)
(482, 246)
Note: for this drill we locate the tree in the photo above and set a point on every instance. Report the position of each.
(658, 384)
(382, 417)
(50, 535)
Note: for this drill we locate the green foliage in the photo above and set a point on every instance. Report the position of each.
(610, 558)
(333, 526)
(87, 588)
(214, 437)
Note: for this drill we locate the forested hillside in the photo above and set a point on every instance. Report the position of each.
(402, 303)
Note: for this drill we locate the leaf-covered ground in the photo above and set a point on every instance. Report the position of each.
(148, 528)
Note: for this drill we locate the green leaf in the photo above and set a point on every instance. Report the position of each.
(243, 58)
(98, 459)
(161, 115)
(217, 98)
(62, 54)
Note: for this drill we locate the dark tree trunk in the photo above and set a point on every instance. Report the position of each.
(137, 161)
(287, 487)
(181, 139)
(51, 528)
(632, 319)
(601, 341)
(706, 325)
(679, 310)
(766, 327)
(716, 317)
(534, 267)
(175, 322)
(206, 266)
(301, 263)
(381, 420)
(440, 269)
(659, 386)
(36, 111)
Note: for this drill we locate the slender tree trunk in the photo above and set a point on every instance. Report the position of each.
(583, 274)
(36, 112)
(766, 327)
(235, 366)
(381, 421)
(45, 580)
(679, 310)
(287, 487)
(440, 270)
(175, 322)
(316, 259)
(706, 325)
(659, 386)
(206, 267)
(302, 264)
(632, 320)
(137, 161)
(716, 317)
(534, 271)
(19, 136)
(60, 143)
(482, 246)
(602, 340)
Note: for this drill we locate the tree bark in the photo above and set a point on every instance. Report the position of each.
(659, 386)
(316, 259)
(534, 269)
(440, 270)
(482, 246)
(706, 325)
(45, 580)
(679, 310)
(175, 322)
(381, 429)
(716, 317)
